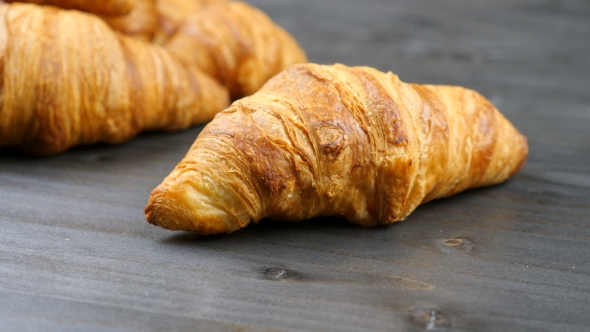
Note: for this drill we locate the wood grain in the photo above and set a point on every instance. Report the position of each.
(76, 253)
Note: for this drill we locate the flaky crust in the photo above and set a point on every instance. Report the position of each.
(68, 79)
(237, 44)
(336, 141)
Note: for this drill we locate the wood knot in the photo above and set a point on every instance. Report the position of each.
(461, 244)
(282, 274)
(453, 242)
(432, 320)
(275, 273)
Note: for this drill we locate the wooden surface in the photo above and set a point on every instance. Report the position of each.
(76, 253)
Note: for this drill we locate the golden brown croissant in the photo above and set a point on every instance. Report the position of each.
(172, 13)
(68, 79)
(103, 7)
(136, 18)
(237, 44)
(336, 141)
(141, 22)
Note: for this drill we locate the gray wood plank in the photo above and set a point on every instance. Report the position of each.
(76, 253)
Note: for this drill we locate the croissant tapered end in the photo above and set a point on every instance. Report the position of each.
(170, 213)
(182, 204)
(336, 141)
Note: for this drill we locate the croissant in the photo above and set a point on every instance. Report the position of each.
(336, 141)
(68, 79)
(136, 18)
(237, 44)
(141, 22)
(104, 7)
(172, 13)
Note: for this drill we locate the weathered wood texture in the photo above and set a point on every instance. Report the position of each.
(76, 253)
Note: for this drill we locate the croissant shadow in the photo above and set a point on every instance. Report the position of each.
(7, 154)
(145, 147)
(480, 206)
(445, 208)
(275, 229)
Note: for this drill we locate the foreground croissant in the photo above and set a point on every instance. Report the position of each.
(68, 79)
(336, 141)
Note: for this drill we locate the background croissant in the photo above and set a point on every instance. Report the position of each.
(141, 22)
(234, 42)
(338, 141)
(237, 44)
(136, 18)
(103, 7)
(172, 14)
(68, 79)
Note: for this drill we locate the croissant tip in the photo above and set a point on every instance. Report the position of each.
(149, 217)
(163, 212)
(177, 210)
